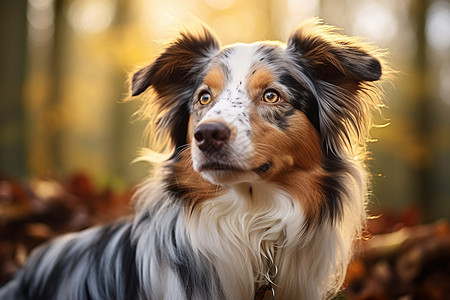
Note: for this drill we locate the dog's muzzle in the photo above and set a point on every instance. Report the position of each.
(217, 156)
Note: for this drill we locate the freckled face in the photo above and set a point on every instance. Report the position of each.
(244, 127)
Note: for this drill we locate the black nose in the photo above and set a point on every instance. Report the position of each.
(211, 135)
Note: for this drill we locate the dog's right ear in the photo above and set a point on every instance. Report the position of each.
(184, 57)
(174, 77)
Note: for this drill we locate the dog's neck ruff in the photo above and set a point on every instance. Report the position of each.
(242, 229)
(232, 240)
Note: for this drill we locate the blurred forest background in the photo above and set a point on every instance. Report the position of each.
(65, 64)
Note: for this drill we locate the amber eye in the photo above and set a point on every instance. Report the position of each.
(271, 96)
(204, 98)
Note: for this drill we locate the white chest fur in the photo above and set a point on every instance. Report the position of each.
(240, 230)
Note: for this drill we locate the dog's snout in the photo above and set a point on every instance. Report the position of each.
(213, 134)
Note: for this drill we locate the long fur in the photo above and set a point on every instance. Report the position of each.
(287, 191)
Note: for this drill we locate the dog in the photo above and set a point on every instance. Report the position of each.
(265, 190)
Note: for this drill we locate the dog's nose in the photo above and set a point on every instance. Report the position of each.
(211, 135)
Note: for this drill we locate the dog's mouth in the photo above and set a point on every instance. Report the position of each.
(215, 165)
(226, 172)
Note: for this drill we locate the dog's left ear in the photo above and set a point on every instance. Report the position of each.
(343, 70)
(333, 57)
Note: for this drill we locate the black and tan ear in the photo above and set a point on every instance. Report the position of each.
(174, 77)
(343, 70)
(178, 63)
(332, 56)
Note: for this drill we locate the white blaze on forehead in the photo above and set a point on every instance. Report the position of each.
(240, 61)
(233, 104)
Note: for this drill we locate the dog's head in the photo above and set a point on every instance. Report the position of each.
(252, 111)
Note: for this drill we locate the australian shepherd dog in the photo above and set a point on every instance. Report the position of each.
(264, 192)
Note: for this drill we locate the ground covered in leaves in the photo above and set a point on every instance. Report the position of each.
(399, 258)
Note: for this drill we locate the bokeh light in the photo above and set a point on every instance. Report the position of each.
(438, 26)
(40, 16)
(374, 21)
(91, 16)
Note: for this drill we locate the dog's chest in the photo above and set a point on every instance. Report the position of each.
(243, 233)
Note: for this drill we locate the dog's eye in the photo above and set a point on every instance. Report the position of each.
(271, 96)
(204, 98)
